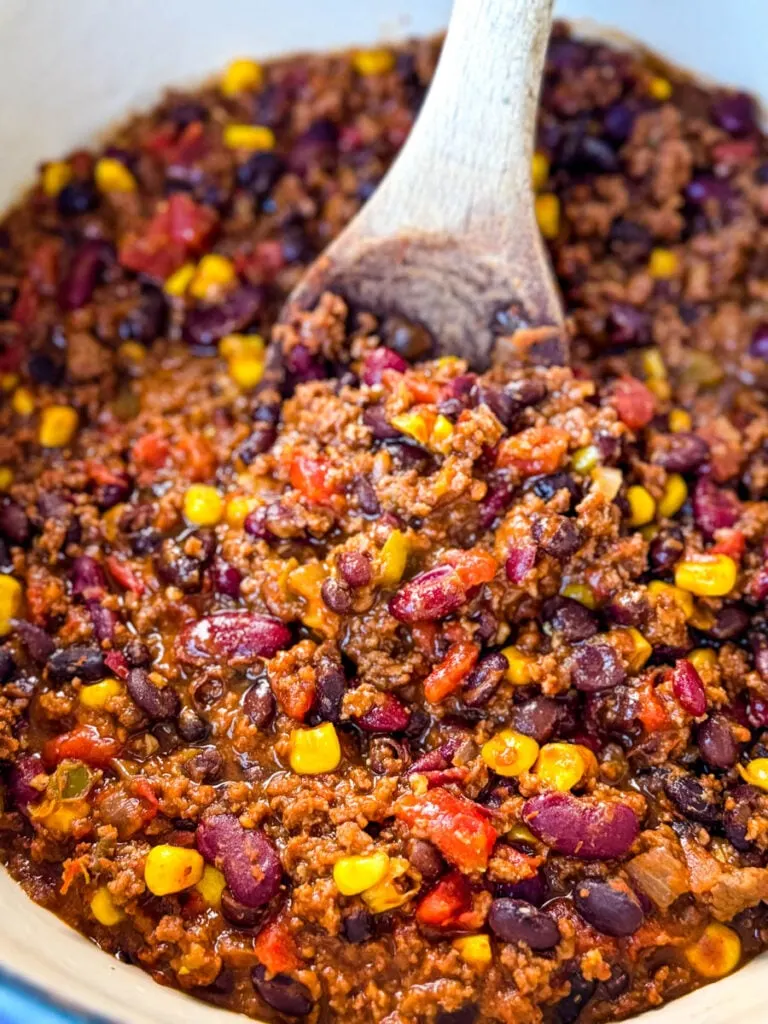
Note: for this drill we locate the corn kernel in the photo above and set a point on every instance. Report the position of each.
(704, 660)
(377, 61)
(8, 381)
(663, 264)
(246, 371)
(237, 510)
(474, 949)
(214, 274)
(250, 137)
(547, 207)
(232, 345)
(510, 753)
(23, 402)
(580, 592)
(519, 666)
(354, 875)
(314, 751)
(653, 363)
(211, 885)
(10, 602)
(240, 76)
(521, 833)
(113, 176)
(642, 507)
(132, 353)
(6, 478)
(716, 953)
(607, 481)
(203, 505)
(703, 618)
(560, 766)
(170, 869)
(674, 496)
(707, 576)
(97, 694)
(680, 421)
(641, 649)
(660, 88)
(682, 598)
(177, 284)
(103, 908)
(58, 424)
(539, 170)
(755, 772)
(392, 559)
(413, 424)
(585, 459)
(56, 175)
(659, 387)
(385, 896)
(442, 432)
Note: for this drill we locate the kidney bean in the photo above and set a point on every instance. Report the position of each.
(735, 113)
(536, 717)
(331, 684)
(730, 622)
(434, 594)
(238, 637)
(207, 325)
(520, 560)
(88, 579)
(681, 453)
(484, 679)
(516, 921)
(570, 618)
(157, 702)
(530, 890)
(80, 660)
(692, 798)
(596, 667)
(717, 744)
(366, 496)
(557, 536)
(226, 578)
(381, 359)
(205, 767)
(192, 726)
(611, 906)
(355, 569)
(247, 857)
(37, 643)
(282, 993)
(15, 526)
(336, 595)
(688, 688)
(24, 770)
(90, 260)
(714, 508)
(137, 654)
(391, 716)
(259, 704)
(591, 830)
(103, 620)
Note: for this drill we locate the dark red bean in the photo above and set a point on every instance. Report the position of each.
(426, 859)
(147, 320)
(717, 744)
(666, 549)
(336, 595)
(534, 890)
(331, 684)
(240, 915)
(80, 660)
(611, 906)
(520, 560)
(391, 716)
(88, 263)
(208, 325)
(137, 654)
(627, 326)
(247, 857)
(730, 623)
(226, 579)
(735, 113)
(431, 595)
(758, 347)
(495, 503)
(537, 717)
(714, 508)
(15, 526)
(571, 619)
(557, 536)
(259, 704)
(7, 665)
(37, 643)
(282, 993)
(484, 679)
(239, 637)
(366, 496)
(681, 453)
(629, 607)
(692, 798)
(746, 804)
(596, 666)
(192, 727)
(23, 771)
(355, 569)
(157, 702)
(88, 579)
(590, 829)
(757, 712)
(688, 688)
(517, 921)
(378, 361)
(103, 620)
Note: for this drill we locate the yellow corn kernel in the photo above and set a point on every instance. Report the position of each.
(659, 387)
(755, 772)
(249, 137)
(177, 284)
(682, 598)
(510, 752)
(653, 363)
(6, 478)
(246, 370)
(474, 949)
(58, 424)
(547, 207)
(211, 885)
(660, 88)
(237, 510)
(716, 953)
(560, 766)
(354, 875)
(663, 264)
(56, 175)
(414, 424)
(233, 345)
(680, 421)
(539, 170)
(203, 505)
(519, 666)
(385, 895)
(521, 833)
(113, 176)
(23, 402)
(642, 507)
(97, 694)
(377, 61)
(674, 496)
(703, 618)
(442, 432)
(214, 274)
(8, 381)
(103, 908)
(10, 602)
(704, 660)
(580, 592)
(392, 559)
(585, 459)
(170, 869)
(607, 481)
(314, 751)
(132, 353)
(707, 576)
(62, 816)
(641, 649)
(240, 76)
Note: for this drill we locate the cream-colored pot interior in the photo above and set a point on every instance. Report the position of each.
(70, 69)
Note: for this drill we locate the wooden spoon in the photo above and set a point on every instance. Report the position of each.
(449, 239)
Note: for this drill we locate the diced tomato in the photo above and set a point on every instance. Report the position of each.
(189, 223)
(155, 257)
(143, 789)
(275, 947)
(473, 567)
(734, 151)
(309, 475)
(190, 146)
(634, 403)
(533, 451)
(124, 575)
(151, 450)
(197, 459)
(161, 140)
(427, 391)
(452, 670)
(443, 906)
(459, 828)
(116, 662)
(84, 743)
(729, 542)
(455, 775)
(650, 710)
(262, 263)
(179, 228)
(294, 693)
(74, 869)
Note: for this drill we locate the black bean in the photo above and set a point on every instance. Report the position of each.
(692, 798)
(546, 487)
(82, 660)
(44, 369)
(570, 618)
(536, 717)
(239, 914)
(282, 993)
(466, 1015)
(192, 726)
(558, 536)
(137, 654)
(260, 173)
(336, 595)
(409, 340)
(14, 523)
(331, 685)
(484, 679)
(736, 820)
(37, 643)
(358, 927)
(596, 667)
(628, 607)
(533, 890)
(516, 921)
(568, 1010)
(717, 744)
(426, 858)
(730, 622)
(77, 198)
(617, 984)
(158, 702)
(611, 906)
(147, 320)
(186, 571)
(6, 664)
(205, 767)
(259, 704)
(681, 453)
(666, 549)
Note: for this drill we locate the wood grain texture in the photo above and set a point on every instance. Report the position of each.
(450, 237)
